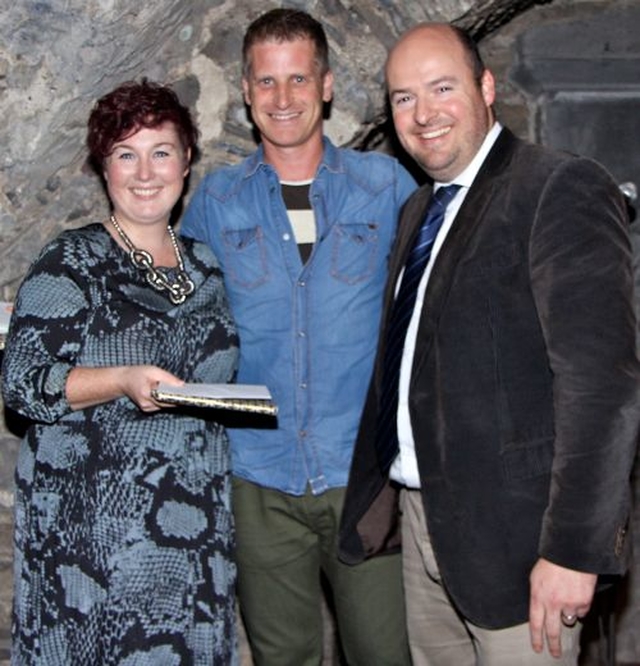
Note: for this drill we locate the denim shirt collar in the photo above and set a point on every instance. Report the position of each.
(331, 160)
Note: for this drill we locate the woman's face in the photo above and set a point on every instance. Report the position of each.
(145, 175)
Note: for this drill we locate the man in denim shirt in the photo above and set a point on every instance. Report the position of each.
(302, 231)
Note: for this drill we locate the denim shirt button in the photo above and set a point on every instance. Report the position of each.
(286, 237)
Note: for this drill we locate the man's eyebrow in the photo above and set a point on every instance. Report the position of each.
(428, 84)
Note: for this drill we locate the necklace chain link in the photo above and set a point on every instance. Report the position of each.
(179, 289)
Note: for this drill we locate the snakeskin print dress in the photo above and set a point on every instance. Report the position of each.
(124, 535)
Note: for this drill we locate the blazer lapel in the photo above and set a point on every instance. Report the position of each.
(411, 218)
(410, 222)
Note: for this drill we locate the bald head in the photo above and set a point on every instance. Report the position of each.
(425, 31)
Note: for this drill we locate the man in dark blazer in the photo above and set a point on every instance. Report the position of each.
(518, 396)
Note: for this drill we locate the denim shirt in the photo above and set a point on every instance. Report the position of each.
(308, 332)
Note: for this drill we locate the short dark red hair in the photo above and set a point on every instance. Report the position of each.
(130, 107)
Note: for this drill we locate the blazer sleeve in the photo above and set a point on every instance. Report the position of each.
(582, 282)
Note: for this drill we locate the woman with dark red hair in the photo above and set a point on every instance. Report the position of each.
(123, 541)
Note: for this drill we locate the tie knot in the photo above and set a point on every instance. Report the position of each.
(445, 194)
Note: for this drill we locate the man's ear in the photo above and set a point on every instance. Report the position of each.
(488, 87)
(327, 87)
(246, 92)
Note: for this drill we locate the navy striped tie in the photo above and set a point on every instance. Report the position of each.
(396, 332)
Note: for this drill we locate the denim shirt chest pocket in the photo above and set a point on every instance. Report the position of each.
(245, 256)
(354, 251)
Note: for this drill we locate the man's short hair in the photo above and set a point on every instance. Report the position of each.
(471, 51)
(286, 25)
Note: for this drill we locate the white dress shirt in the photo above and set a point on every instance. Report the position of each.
(405, 467)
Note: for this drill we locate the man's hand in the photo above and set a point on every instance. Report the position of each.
(556, 591)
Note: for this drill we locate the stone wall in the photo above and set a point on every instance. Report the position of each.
(58, 56)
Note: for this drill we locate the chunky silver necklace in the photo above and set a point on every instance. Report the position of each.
(157, 277)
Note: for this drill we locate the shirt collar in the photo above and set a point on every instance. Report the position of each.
(331, 159)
